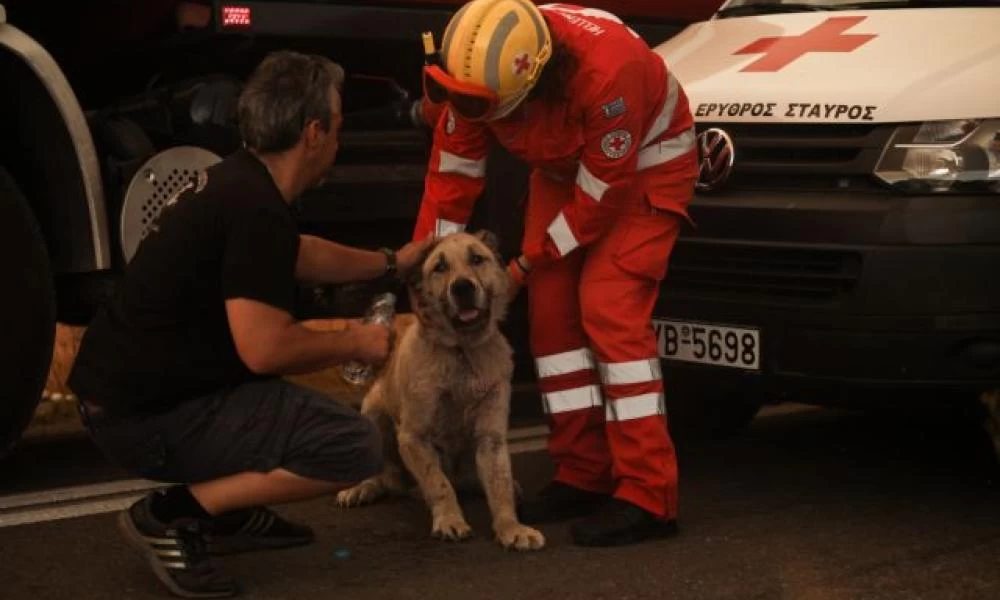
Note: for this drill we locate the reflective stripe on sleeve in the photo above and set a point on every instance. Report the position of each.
(591, 185)
(562, 235)
(662, 122)
(443, 227)
(667, 150)
(452, 163)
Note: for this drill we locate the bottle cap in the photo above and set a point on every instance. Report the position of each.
(428, 38)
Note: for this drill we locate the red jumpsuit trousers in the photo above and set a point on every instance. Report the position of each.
(596, 351)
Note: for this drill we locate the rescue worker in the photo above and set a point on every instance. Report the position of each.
(608, 131)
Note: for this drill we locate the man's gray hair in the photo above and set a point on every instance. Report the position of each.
(284, 93)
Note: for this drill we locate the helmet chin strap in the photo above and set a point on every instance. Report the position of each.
(509, 105)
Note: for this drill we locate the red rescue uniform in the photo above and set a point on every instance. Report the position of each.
(614, 167)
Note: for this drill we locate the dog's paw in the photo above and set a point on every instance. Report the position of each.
(515, 536)
(358, 495)
(450, 527)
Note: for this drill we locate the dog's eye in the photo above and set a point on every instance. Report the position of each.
(441, 266)
(475, 259)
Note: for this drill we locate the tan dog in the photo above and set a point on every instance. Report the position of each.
(444, 396)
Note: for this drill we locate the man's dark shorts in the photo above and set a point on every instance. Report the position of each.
(259, 426)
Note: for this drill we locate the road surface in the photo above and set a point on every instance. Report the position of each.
(807, 504)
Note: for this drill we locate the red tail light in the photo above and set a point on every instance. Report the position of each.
(236, 17)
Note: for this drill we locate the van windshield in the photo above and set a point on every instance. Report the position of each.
(738, 8)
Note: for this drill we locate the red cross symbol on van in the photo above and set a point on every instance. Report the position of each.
(828, 36)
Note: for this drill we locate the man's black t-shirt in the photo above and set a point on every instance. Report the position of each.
(164, 336)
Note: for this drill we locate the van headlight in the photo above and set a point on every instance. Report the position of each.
(943, 156)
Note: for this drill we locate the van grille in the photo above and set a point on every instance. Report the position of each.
(772, 275)
(810, 157)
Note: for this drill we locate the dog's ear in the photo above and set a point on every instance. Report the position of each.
(491, 241)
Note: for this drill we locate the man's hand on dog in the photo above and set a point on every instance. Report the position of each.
(411, 255)
(372, 341)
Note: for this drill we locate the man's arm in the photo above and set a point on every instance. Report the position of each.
(270, 341)
(258, 289)
(323, 261)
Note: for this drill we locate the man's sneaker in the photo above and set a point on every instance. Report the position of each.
(559, 502)
(176, 553)
(255, 529)
(620, 523)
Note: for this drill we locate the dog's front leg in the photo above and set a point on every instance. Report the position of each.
(422, 462)
(496, 475)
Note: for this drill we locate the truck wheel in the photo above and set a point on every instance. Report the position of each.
(29, 313)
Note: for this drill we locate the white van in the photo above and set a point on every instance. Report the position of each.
(847, 231)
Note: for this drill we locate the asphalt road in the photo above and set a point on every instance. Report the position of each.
(805, 505)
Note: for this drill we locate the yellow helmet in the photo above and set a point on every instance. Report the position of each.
(500, 45)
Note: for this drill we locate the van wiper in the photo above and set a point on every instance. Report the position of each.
(745, 10)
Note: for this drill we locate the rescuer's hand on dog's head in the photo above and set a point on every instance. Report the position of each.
(372, 341)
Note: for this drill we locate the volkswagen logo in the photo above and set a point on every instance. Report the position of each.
(716, 153)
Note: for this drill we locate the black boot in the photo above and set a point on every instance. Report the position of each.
(620, 523)
(559, 502)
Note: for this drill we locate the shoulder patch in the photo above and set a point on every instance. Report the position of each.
(616, 144)
(614, 108)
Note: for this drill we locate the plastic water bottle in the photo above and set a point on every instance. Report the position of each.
(381, 311)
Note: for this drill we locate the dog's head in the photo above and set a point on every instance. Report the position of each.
(462, 288)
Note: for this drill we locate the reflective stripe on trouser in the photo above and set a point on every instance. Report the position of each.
(601, 300)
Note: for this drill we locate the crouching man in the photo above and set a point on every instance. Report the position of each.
(179, 373)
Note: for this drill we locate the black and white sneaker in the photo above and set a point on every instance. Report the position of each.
(255, 529)
(176, 552)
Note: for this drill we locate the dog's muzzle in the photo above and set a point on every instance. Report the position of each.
(465, 296)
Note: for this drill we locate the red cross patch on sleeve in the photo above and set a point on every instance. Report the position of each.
(616, 144)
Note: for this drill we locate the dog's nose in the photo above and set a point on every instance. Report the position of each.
(463, 289)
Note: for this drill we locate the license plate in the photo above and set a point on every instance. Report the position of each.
(704, 343)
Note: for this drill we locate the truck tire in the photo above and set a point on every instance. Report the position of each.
(29, 313)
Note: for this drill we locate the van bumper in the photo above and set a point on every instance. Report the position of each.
(848, 291)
